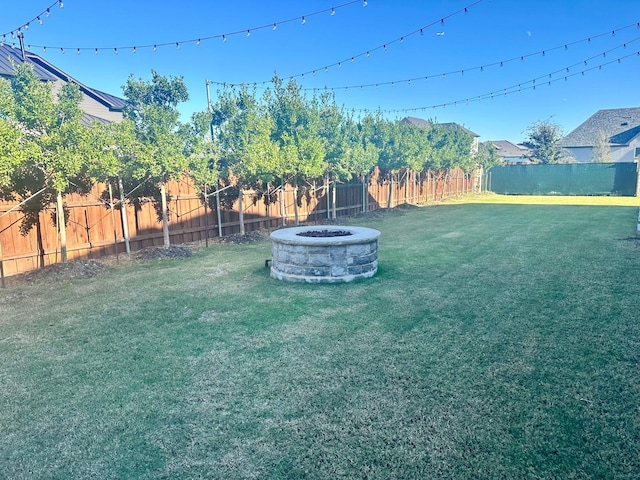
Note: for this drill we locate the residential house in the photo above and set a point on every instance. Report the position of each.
(96, 105)
(617, 130)
(419, 122)
(511, 153)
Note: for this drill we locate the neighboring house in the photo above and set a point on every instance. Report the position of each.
(419, 122)
(96, 105)
(617, 129)
(511, 153)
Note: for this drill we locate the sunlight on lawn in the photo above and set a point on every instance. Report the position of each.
(548, 200)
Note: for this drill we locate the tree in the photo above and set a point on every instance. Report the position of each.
(59, 155)
(602, 148)
(152, 107)
(247, 151)
(544, 139)
(296, 134)
(487, 156)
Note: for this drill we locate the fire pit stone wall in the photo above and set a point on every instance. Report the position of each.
(314, 255)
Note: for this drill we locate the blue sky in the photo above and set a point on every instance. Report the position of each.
(454, 61)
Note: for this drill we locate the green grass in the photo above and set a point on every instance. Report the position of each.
(496, 341)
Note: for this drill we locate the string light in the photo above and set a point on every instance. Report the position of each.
(244, 31)
(530, 85)
(38, 18)
(481, 68)
(384, 46)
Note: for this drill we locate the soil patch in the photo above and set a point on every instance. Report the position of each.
(50, 273)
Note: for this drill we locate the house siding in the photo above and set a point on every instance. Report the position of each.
(622, 154)
(90, 105)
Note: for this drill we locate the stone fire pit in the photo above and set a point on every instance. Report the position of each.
(324, 254)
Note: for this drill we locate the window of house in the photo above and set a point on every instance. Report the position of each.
(637, 154)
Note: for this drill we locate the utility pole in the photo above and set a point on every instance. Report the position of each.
(21, 38)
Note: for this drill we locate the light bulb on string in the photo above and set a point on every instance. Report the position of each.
(224, 38)
(303, 21)
(78, 51)
(248, 33)
(62, 50)
(61, 4)
(95, 51)
(115, 50)
(155, 47)
(198, 42)
(134, 50)
(364, 3)
(47, 13)
(39, 20)
(333, 11)
(26, 26)
(274, 27)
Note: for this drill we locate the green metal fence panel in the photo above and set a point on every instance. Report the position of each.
(618, 179)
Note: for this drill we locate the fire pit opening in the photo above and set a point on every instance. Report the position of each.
(325, 254)
(324, 233)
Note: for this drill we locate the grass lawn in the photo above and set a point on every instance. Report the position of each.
(496, 341)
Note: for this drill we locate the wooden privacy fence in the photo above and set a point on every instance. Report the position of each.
(94, 229)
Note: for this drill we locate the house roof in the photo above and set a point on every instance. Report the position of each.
(420, 122)
(507, 149)
(10, 56)
(620, 126)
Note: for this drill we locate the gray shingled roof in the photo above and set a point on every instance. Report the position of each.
(10, 56)
(620, 125)
(507, 149)
(419, 122)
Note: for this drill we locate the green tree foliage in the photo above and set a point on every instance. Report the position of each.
(248, 156)
(152, 107)
(58, 154)
(544, 139)
(487, 156)
(450, 148)
(202, 153)
(296, 133)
